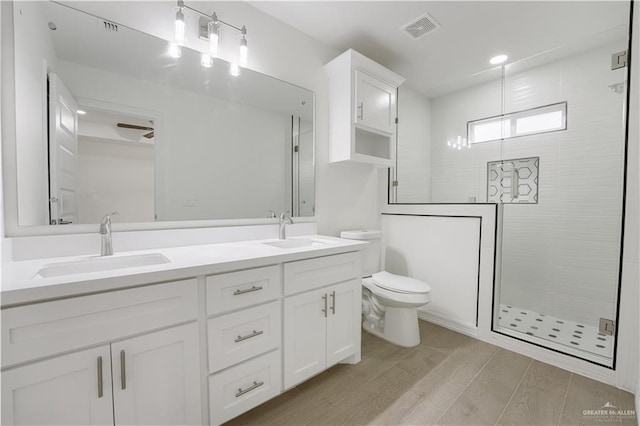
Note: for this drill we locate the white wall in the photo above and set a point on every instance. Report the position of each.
(560, 256)
(115, 177)
(413, 172)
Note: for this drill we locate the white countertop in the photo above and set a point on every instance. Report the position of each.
(21, 283)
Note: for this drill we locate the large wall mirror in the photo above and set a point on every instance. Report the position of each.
(106, 120)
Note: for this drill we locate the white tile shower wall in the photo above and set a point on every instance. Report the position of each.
(561, 255)
(414, 147)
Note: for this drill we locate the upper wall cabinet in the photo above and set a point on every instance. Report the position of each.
(362, 110)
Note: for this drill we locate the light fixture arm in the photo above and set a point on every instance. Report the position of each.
(215, 19)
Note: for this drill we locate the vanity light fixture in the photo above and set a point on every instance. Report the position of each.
(244, 49)
(459, 143)
(81, 112)
(214, 36)
(497, 60)
(210, 31)
(180, 23)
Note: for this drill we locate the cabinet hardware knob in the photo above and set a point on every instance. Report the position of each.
(249, 336)
(255, 385)
(248, 290)
(123, 370)
(100, 391)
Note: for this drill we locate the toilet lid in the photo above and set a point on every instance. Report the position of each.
(399, 284)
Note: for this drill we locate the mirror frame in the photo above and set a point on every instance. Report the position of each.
(8, 144)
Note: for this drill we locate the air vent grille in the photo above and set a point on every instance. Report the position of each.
(420, 27)
(110, 26)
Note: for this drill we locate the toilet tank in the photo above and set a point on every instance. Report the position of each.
(371, 253)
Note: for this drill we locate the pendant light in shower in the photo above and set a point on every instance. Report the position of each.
(213, 30)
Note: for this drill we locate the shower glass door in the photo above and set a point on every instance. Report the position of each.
(560, 183)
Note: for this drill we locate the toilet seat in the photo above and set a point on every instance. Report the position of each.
(400, 284)
(394, 298)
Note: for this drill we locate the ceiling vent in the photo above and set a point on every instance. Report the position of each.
(420, 27)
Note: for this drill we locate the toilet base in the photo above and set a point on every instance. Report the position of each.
(400, 327)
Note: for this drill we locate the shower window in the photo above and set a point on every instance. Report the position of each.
(533, 121)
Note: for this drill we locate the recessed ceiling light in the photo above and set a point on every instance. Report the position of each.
(81, 112)
(498, 59)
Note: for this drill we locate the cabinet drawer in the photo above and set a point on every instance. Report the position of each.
(247, 385)
(241, 335)
(319, 272)
(44, 329)
(235, 290)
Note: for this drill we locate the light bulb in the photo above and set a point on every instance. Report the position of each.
(496, 60)
(244, 52)
(214, 38)
(206, 60)
(448, 143)
(180, 26)
(234, 69)
(175, 51)
(81, 112)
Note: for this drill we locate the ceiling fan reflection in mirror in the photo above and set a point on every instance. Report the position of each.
(136, 127)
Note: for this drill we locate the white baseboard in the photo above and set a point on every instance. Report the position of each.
(467, 329)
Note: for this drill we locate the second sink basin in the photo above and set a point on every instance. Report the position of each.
(100, 264)
(295, 243)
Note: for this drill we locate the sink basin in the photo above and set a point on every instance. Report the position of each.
(295, 243)
(100, 264)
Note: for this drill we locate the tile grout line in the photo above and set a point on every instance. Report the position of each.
(514, 391)
(465, 388)
(564, 400)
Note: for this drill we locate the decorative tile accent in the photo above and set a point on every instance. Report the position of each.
(565, 332)
(513, 181)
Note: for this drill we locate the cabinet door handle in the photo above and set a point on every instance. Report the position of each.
(123, 371)
(249, 336)
(361, 108)
(333, 302)
(248, 290)
(255, 385)
(325, 304)
(100, 377)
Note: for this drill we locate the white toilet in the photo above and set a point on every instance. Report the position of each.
(389, 302)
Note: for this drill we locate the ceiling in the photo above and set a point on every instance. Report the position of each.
(457, 54)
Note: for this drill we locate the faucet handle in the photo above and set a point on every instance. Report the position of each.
(108, 215)
(271, 215)
(286, 216)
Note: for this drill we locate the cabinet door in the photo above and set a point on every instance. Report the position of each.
(71, 389)
(305, 327)
(156, 378)
(343, 322)
(375, 103)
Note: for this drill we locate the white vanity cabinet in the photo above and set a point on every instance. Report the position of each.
(321, 324)
(152, 378)
(362, 110)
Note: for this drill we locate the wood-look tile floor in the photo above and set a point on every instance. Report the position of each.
(449, 379)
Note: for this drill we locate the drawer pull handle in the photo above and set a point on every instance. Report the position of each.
(325, 305)
(123, 371)
(255, 385)
(249, 336)
(100, 377)
(361, 108)
(248, 290)
(333, 302)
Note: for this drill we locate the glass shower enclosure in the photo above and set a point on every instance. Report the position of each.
(544, 138)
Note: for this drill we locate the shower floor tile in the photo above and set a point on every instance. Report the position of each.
(564, 332)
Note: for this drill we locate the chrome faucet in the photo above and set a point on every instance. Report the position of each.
(106, 245)
(284, 219)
